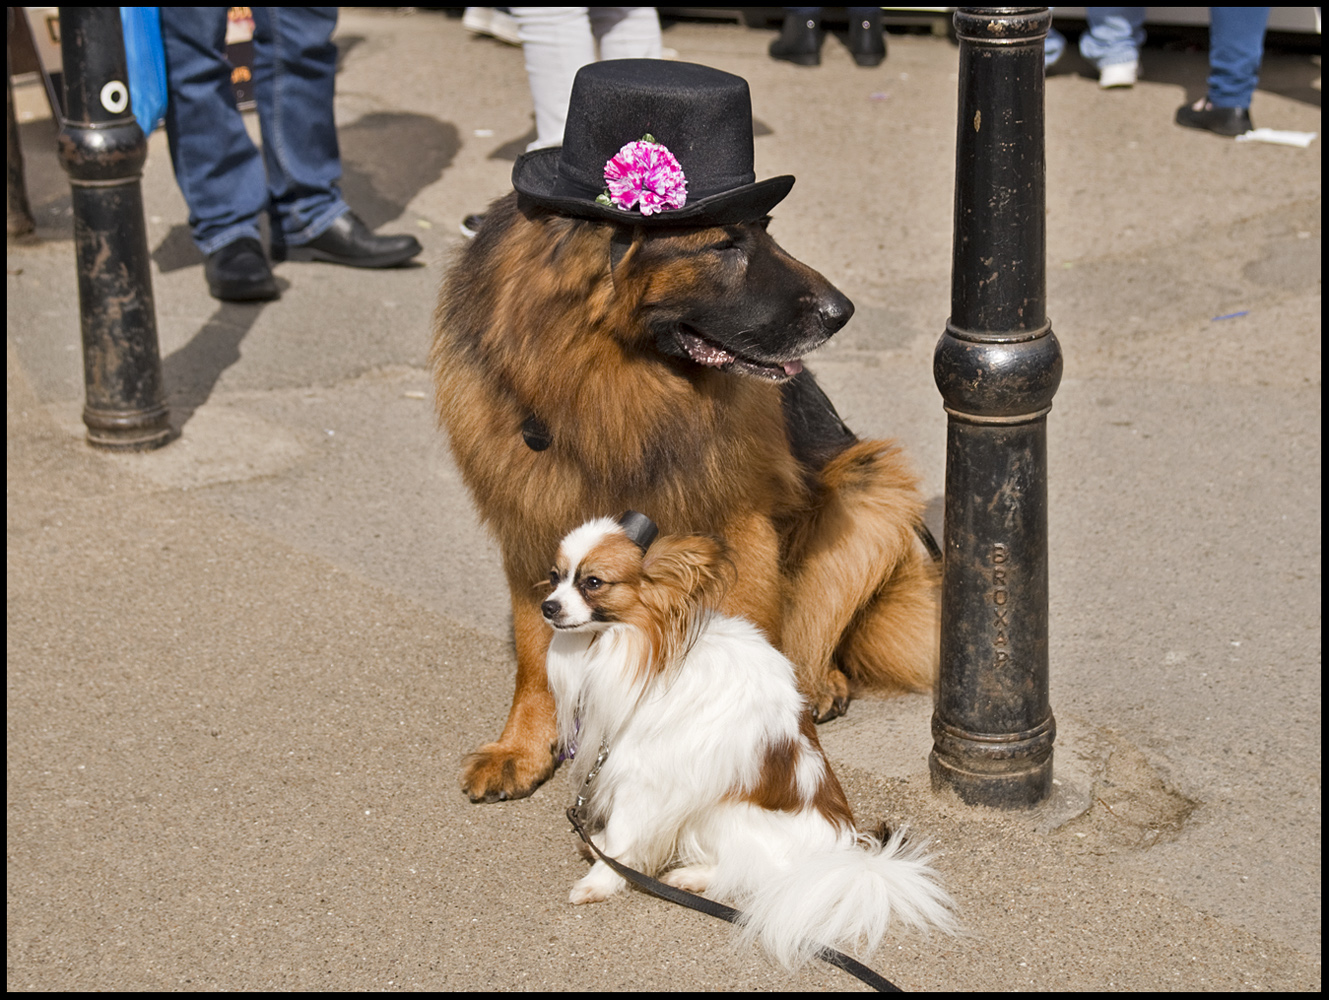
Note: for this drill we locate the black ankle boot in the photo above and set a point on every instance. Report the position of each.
(799, 41)
(867, 43)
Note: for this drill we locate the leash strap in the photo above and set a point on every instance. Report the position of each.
(929, 542)
(709, 906)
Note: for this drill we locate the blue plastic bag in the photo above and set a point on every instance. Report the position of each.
(146, 59)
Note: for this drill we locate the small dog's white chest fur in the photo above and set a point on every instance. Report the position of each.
(714, 776)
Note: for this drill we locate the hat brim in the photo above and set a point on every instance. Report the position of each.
(535, 176)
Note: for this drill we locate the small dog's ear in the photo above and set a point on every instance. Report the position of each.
(694, 568)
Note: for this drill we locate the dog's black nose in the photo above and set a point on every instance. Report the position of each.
(550, 609)
(835, 310)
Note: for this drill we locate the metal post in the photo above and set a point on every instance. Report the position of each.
(103, 150)
(998, 366)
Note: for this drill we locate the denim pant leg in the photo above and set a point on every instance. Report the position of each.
(218, 168)
(1053, 47)
(295, 64)
(1114, 36)
(1236, 46)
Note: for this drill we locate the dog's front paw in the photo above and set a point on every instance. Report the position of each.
(599, 884)
(496, 771)
(830, 699)
(693, 878)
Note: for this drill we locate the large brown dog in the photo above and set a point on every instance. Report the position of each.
(583, 368)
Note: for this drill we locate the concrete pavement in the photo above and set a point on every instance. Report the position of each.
(243, 670)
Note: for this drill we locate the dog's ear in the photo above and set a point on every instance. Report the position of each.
(691, 570)
(622, 241)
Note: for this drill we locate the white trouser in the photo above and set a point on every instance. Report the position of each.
(558, 41)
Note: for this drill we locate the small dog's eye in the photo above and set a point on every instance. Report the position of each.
(592, 583)
(553, 578)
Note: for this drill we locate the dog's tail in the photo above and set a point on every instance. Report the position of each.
(845, 898)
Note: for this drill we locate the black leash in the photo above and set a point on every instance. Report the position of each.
(929, 542)
(709, 906)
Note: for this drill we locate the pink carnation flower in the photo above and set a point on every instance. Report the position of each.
(645, 174)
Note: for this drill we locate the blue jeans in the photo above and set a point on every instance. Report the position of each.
(1114, 35)
(225, 180)
(1236, 46)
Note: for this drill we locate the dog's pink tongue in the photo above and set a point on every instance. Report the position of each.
(792, 368)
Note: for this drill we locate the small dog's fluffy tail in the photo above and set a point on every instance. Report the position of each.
(846, 899)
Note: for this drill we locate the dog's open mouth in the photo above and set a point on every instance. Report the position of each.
(703, 352)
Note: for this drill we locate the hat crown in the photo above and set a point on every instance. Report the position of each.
(702, 115)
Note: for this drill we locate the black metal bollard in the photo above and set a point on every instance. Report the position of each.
(103, 150)
(997, 366)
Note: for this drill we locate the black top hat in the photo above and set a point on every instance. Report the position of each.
(702, 116)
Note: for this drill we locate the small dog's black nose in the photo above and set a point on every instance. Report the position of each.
(835, 310)
(550, 609)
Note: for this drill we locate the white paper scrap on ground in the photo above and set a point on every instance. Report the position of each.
(1279, 137)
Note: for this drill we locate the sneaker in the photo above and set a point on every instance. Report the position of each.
(493, 22)
(1123, 74)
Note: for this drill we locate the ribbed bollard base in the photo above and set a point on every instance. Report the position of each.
(136, 430)
(1004, 771)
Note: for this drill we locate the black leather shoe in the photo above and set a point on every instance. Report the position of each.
(1221, 121)
(239, 272)
(348, 241)
(867, 43)
(799, 41)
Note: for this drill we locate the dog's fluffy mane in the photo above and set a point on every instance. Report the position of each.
(636, 424)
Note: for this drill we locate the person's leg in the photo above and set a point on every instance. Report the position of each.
(867, 40)
(1053, 47)
(1112, 43)
(218, 168)
(800, 37)
(295, 64)
(627, 32)
(1236, 46)
(556, 42)
(1114, 35)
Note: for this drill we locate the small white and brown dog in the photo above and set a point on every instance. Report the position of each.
(713, 774)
